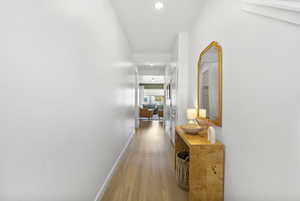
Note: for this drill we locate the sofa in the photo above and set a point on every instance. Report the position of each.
(160, 114)
(146, 113)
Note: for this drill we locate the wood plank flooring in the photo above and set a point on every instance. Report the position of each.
(146, 171)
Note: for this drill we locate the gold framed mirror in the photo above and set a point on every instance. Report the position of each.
(209, 84)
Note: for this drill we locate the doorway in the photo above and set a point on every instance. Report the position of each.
(151, 93)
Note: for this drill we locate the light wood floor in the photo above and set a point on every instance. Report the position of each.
(146, 172)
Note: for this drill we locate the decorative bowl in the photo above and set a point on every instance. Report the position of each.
(192, 129)
(203, 122)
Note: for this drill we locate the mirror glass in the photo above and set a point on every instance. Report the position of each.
(209, 84)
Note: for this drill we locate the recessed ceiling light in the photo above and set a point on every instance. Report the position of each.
(159, 5)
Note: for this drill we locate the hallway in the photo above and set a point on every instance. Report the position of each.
(146, 171)
(76, 78)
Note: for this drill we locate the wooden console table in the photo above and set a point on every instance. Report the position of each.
(206, 166)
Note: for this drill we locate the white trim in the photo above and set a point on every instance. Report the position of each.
(107, 180)
(284, 10)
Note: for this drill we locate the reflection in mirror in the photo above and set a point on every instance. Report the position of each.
(209, 84)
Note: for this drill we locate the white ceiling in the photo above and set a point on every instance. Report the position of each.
(151, 79)
(151, 70)
(154, 31)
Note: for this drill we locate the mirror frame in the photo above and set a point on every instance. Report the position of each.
(218, 121)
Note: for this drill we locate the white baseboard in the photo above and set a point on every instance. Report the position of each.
(113, 169)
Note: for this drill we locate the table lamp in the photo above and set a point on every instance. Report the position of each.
(202, 113)
(191, 115)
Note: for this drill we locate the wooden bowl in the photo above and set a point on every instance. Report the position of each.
(192, 129)
(203, 122)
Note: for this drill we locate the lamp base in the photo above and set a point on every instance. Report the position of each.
(191, 122)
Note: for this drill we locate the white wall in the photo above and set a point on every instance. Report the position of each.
(170, 106)
(150, 58)
(137, 101)
(67, 98)
(177, 71)
(183, 83)
(151, 79)
(153, 92)
(261, 102)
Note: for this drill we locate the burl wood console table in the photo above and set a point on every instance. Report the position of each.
(206, 166)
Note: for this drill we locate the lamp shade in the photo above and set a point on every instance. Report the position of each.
(202, 113)
(191, 114)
